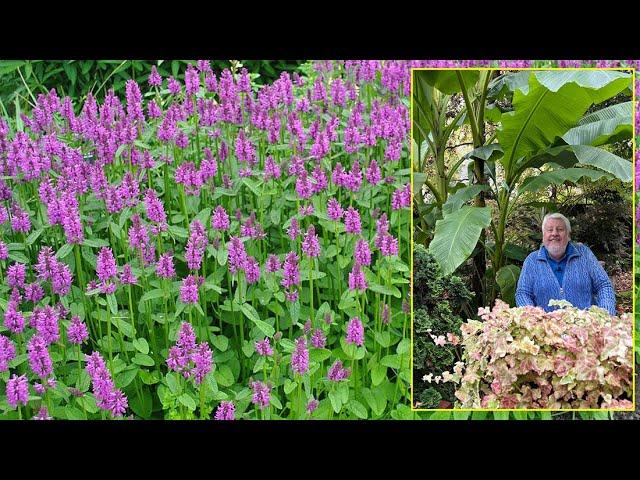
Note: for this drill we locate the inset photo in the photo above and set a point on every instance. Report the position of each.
(523, 239)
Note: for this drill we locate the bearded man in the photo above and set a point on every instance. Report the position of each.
(563, 270)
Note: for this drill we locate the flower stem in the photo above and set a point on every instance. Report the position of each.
(311, 291)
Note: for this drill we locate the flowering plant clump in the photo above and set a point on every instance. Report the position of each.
(526, 358)
(205, 216)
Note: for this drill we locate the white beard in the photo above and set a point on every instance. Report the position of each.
(556, 250)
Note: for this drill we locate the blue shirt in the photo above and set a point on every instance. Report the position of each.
(559, 266)
(584, 281)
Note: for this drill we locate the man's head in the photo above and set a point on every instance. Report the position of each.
(556, 233)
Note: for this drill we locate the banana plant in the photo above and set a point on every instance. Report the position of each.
(433, 91)
(546, 132)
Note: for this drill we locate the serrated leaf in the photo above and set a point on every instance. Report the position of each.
(95, 243)
(378, 374)
(252, 315)
(358, 409)
(64, 250)
(172, 382)
(113, 304)
(336, 401)
(33, 236)
(315, 275)
(383, 289)
(186, 400)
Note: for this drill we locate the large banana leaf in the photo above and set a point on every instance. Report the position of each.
(596, 157)
(447, 81)
(554, 103)
(456, 236)
(507, 278)
(538, 119)
(558, 177)
(599, 84)
(609, 125)
(455, 201)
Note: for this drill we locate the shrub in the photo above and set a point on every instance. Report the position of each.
(526, 358)
(436, 298)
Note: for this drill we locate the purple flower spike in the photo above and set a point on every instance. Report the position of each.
(17, 390)
(355, 332)
(300, 357)
(226, 411)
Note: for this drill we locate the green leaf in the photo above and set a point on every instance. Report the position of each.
(224, 375)
(383, 338)
(515, 252)
(252, 186)
(8, 66)
(113, 304)
(455, 201)
(289, 386)
(315, 275)
(603, 160)
(95, 242)
(126, 377)
(336, 401)
(221, 256)
(186, 400)
(378, 374)
(383, 289)
(461, 415)
(441, 415)
(64, 250)
(273, 400)
(149, 378)
(275, 216)
(179, 232)
(392, 361)
(203, 216)
(447, 80)
(319, 354)
(539, 117)
(221, 342)
(33, 236)
(558, 177)
(173, 382)
(501, 415)
(152, 294)
(18, 257)
(70, 70)
(608, 125)
(357, 409)
(456, 236)
(252, 315)
(141, 345)
(507, 279)
(248, 349)
(142, 359)
(600, 85)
